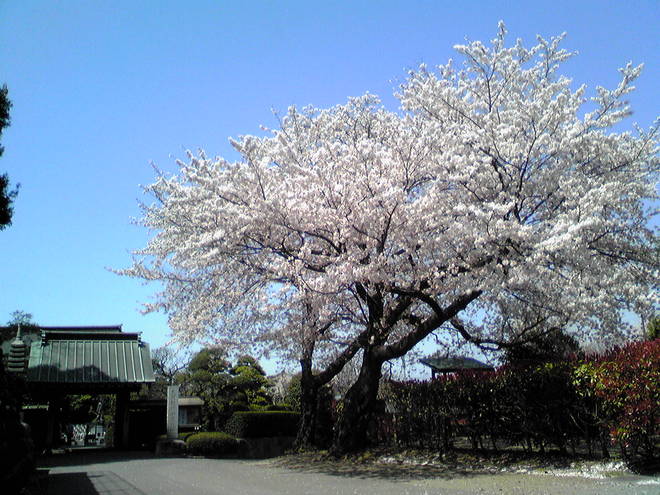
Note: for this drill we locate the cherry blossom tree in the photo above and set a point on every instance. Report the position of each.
(499, 199)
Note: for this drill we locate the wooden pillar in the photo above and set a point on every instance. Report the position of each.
(121, 420)
(53, 422)
(50, 424)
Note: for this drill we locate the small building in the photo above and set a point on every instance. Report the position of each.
(147, 419)
(445, 365)
(190, 413)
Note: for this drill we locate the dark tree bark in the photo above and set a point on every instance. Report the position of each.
(310, 386)
(309, 389)
(360, 401)
(358, 407)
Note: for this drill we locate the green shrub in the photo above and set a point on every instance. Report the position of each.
(255, 424)
(293, 393)
(211, 444)
(183, 435)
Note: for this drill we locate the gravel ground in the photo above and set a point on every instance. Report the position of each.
(113, 473)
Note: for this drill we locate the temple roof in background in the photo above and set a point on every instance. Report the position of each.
(89, 356)
(454, 364)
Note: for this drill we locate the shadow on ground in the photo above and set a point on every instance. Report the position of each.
(422, 464)
(313, 463)
(91, 483)
(83, 457)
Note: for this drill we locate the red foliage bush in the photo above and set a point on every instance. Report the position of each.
(614, 396)
(627, 380)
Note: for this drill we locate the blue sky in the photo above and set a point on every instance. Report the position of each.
(101, 89)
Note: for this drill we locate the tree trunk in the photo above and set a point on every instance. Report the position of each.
(310, 387)
(358, 407)
(308, 407)
(351, 430)
(604, 440)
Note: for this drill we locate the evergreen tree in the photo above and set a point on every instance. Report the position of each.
(6, 194)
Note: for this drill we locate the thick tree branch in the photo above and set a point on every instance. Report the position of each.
(440, 316)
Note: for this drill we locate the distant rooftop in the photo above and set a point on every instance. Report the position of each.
(454, 364)
(101, 328)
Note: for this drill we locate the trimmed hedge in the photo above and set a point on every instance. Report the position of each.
(255, 424)
(605, 399)
(212, 444)
(183, 435)
(278, 407)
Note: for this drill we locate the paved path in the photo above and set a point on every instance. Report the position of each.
(111, 473)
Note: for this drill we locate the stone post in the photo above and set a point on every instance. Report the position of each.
(172, 412)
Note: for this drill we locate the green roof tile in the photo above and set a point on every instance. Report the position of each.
(452, 364)
(96, 357)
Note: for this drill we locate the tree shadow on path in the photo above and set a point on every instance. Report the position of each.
(377, 470)
(83, 457)
(90, 483)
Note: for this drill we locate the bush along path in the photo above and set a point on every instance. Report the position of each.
(584, 405)
(248, 434)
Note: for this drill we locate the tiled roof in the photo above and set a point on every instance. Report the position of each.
(452, 364)
(92, 355)
(91, 329)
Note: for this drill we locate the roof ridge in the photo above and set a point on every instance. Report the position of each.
(79, 328)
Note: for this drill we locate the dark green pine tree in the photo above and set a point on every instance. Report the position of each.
(7, 195)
